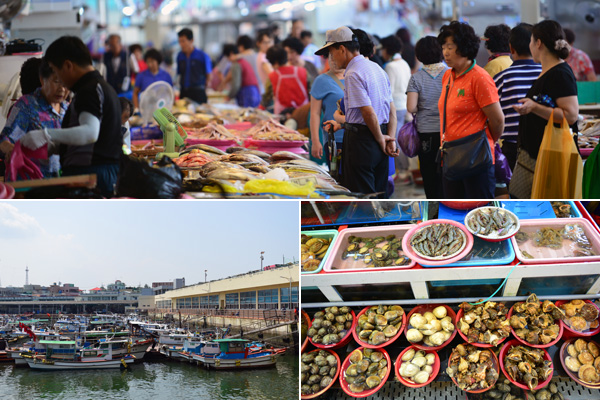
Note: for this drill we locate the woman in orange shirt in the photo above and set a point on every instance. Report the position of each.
(471, 103)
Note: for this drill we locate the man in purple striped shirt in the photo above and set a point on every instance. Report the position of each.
(370, 128)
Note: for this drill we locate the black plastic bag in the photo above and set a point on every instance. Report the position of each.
(143, 180)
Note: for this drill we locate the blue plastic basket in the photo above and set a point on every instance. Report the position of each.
(530, 209)
(484, 253)
(325, 233)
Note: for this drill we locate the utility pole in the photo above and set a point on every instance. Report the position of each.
(262, 257)
(26, 275)
(205, 271)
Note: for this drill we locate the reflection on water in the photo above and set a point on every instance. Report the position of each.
(153, 381)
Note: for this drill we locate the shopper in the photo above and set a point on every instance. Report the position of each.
(294, 49)
(126, 113)
(264, 42)
(469, 104)
(308, 54)
(554, 90)
(243, 83)
(193, 68)
(29, 77)
(325, 93)
(117, 63)
(579, 61)
(496, 39)
(136, 55)
(91, 139)
(398, 72)
(370, 129)
(245, 46)
(513, 84)
(44, 108)
(423, 94)
(297, 28)
(408, 49)
(154, 73)
(288, 85)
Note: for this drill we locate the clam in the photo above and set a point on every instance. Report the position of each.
(572, 363)
(438, 338)
(391, 315)
(382, 373)
(417, 321)
(588, 373)
(585, 357)
(362, 366)
(356, 356)
(419, 361)
(380, 320)
(356, 388)
(373, 381)
(377, 338)
(440, 312)
(409, 355)
(352, 370)
(414, 336)
(428, 369)
(447, 325)
(430, 358)
(410, 370)
(427, 330)
(325, 382)
(429, 316)
(376, 356)
(421, 377)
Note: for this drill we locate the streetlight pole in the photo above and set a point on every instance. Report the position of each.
(205, 271)
(262, 257)
(290, 293)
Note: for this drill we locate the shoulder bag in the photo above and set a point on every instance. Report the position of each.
(464, 157)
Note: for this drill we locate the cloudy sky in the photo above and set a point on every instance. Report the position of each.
(90, 243)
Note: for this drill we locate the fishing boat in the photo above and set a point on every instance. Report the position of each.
(83, 359)
(234, 354)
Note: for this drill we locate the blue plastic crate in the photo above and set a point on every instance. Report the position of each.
(327, 234)
(484, 253)
(530, 209)
(452, 214)
(360, 212)
(575, 213)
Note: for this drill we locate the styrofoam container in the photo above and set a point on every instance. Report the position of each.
(327, 234)
(545, 255)
(334, 262)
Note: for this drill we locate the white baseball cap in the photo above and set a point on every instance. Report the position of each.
(343, 34)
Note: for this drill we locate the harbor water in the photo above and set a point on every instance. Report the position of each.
(153, 381)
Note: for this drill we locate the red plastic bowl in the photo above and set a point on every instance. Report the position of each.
(422, 309)
(320, 392)
(569, 332)
(477, 344)
(434, 373)
(503, 352)
(464, 205)
(342, 342)
(367, 392)
(407, 248)
(495, 362)
(563, 354)
(307, 319)
(498, 239)
(537, 346)
(371, 346)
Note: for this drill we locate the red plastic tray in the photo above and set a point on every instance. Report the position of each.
(388, 342)
(503, 352)
(422, 309)
(495, 361)
(569, 333)
(434, 373)
(314, 395)
(368, 392)
(537, 346)
(342, 342)
(459, 315)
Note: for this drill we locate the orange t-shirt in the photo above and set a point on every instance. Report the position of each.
(467, 95)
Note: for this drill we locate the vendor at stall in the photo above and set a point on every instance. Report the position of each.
(91, 139)
(45, 107)
(370, 129)
(154, 73)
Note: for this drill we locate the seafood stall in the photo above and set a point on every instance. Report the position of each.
(443, 304)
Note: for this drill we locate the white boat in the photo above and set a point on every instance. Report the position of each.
(85, 359)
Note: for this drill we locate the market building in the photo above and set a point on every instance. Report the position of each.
(270, 289)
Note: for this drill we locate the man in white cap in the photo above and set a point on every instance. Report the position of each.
(370, 128)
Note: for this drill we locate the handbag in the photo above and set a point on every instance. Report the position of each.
(408, 138)
(503, 171)
(464, 157)
(558, 169)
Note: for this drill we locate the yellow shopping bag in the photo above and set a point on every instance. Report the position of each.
(559, 168)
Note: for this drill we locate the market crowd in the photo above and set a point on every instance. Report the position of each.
(479, 129)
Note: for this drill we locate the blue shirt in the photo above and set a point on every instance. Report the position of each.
(194, 69)
(145, 79)
(325, 88)
(513, 83)
(367, 84)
